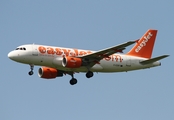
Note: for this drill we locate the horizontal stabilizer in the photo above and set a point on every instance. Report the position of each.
(153, 59)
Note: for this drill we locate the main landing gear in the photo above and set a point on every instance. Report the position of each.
(73, 81)
(31, 72)
(89, 74)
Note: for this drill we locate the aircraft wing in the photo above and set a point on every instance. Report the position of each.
(95, 57)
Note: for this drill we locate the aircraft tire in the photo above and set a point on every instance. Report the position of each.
(89, 74)
(31, 73)
(73, 81)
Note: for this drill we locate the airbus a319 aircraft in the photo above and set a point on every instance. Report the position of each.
(59, 61)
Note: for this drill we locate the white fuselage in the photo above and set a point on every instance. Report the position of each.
(50, 56)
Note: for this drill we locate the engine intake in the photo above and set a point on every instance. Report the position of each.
(72, 62)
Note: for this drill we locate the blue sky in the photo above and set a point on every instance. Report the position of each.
(87, 24)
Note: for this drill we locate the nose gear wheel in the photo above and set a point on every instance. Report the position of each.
(31, 72)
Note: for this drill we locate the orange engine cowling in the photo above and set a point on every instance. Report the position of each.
(71, 62)
(49, 73)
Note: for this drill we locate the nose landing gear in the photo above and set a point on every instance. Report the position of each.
(31, 72)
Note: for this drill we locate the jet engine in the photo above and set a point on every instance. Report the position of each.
(72, 62)
(49, 73)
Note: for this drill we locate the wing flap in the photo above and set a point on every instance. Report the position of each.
(153, 59)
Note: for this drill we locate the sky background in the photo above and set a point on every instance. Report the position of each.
(86, 24)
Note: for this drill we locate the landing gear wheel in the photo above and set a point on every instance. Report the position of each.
(89, 74)
(30, 73)
(31, 67)
(73, 81)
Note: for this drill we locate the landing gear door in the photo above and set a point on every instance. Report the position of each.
(34, 50)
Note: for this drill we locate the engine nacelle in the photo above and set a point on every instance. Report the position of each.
(72, 62)
(49, 73)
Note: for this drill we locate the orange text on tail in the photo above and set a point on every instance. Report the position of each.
(144, 46)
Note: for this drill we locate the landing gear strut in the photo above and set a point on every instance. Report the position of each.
(31, 72)
(73, 81)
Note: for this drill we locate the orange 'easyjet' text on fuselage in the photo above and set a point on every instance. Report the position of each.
(73, 53)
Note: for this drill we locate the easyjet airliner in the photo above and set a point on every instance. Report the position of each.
(59, 61)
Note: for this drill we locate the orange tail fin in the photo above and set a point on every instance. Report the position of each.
(144, 46)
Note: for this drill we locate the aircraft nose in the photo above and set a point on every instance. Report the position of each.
(11, 55)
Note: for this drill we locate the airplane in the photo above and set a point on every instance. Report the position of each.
(59, 61)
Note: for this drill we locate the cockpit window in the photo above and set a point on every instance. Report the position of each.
(22, 48)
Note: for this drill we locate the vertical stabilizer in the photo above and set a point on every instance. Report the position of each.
(144, 46)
